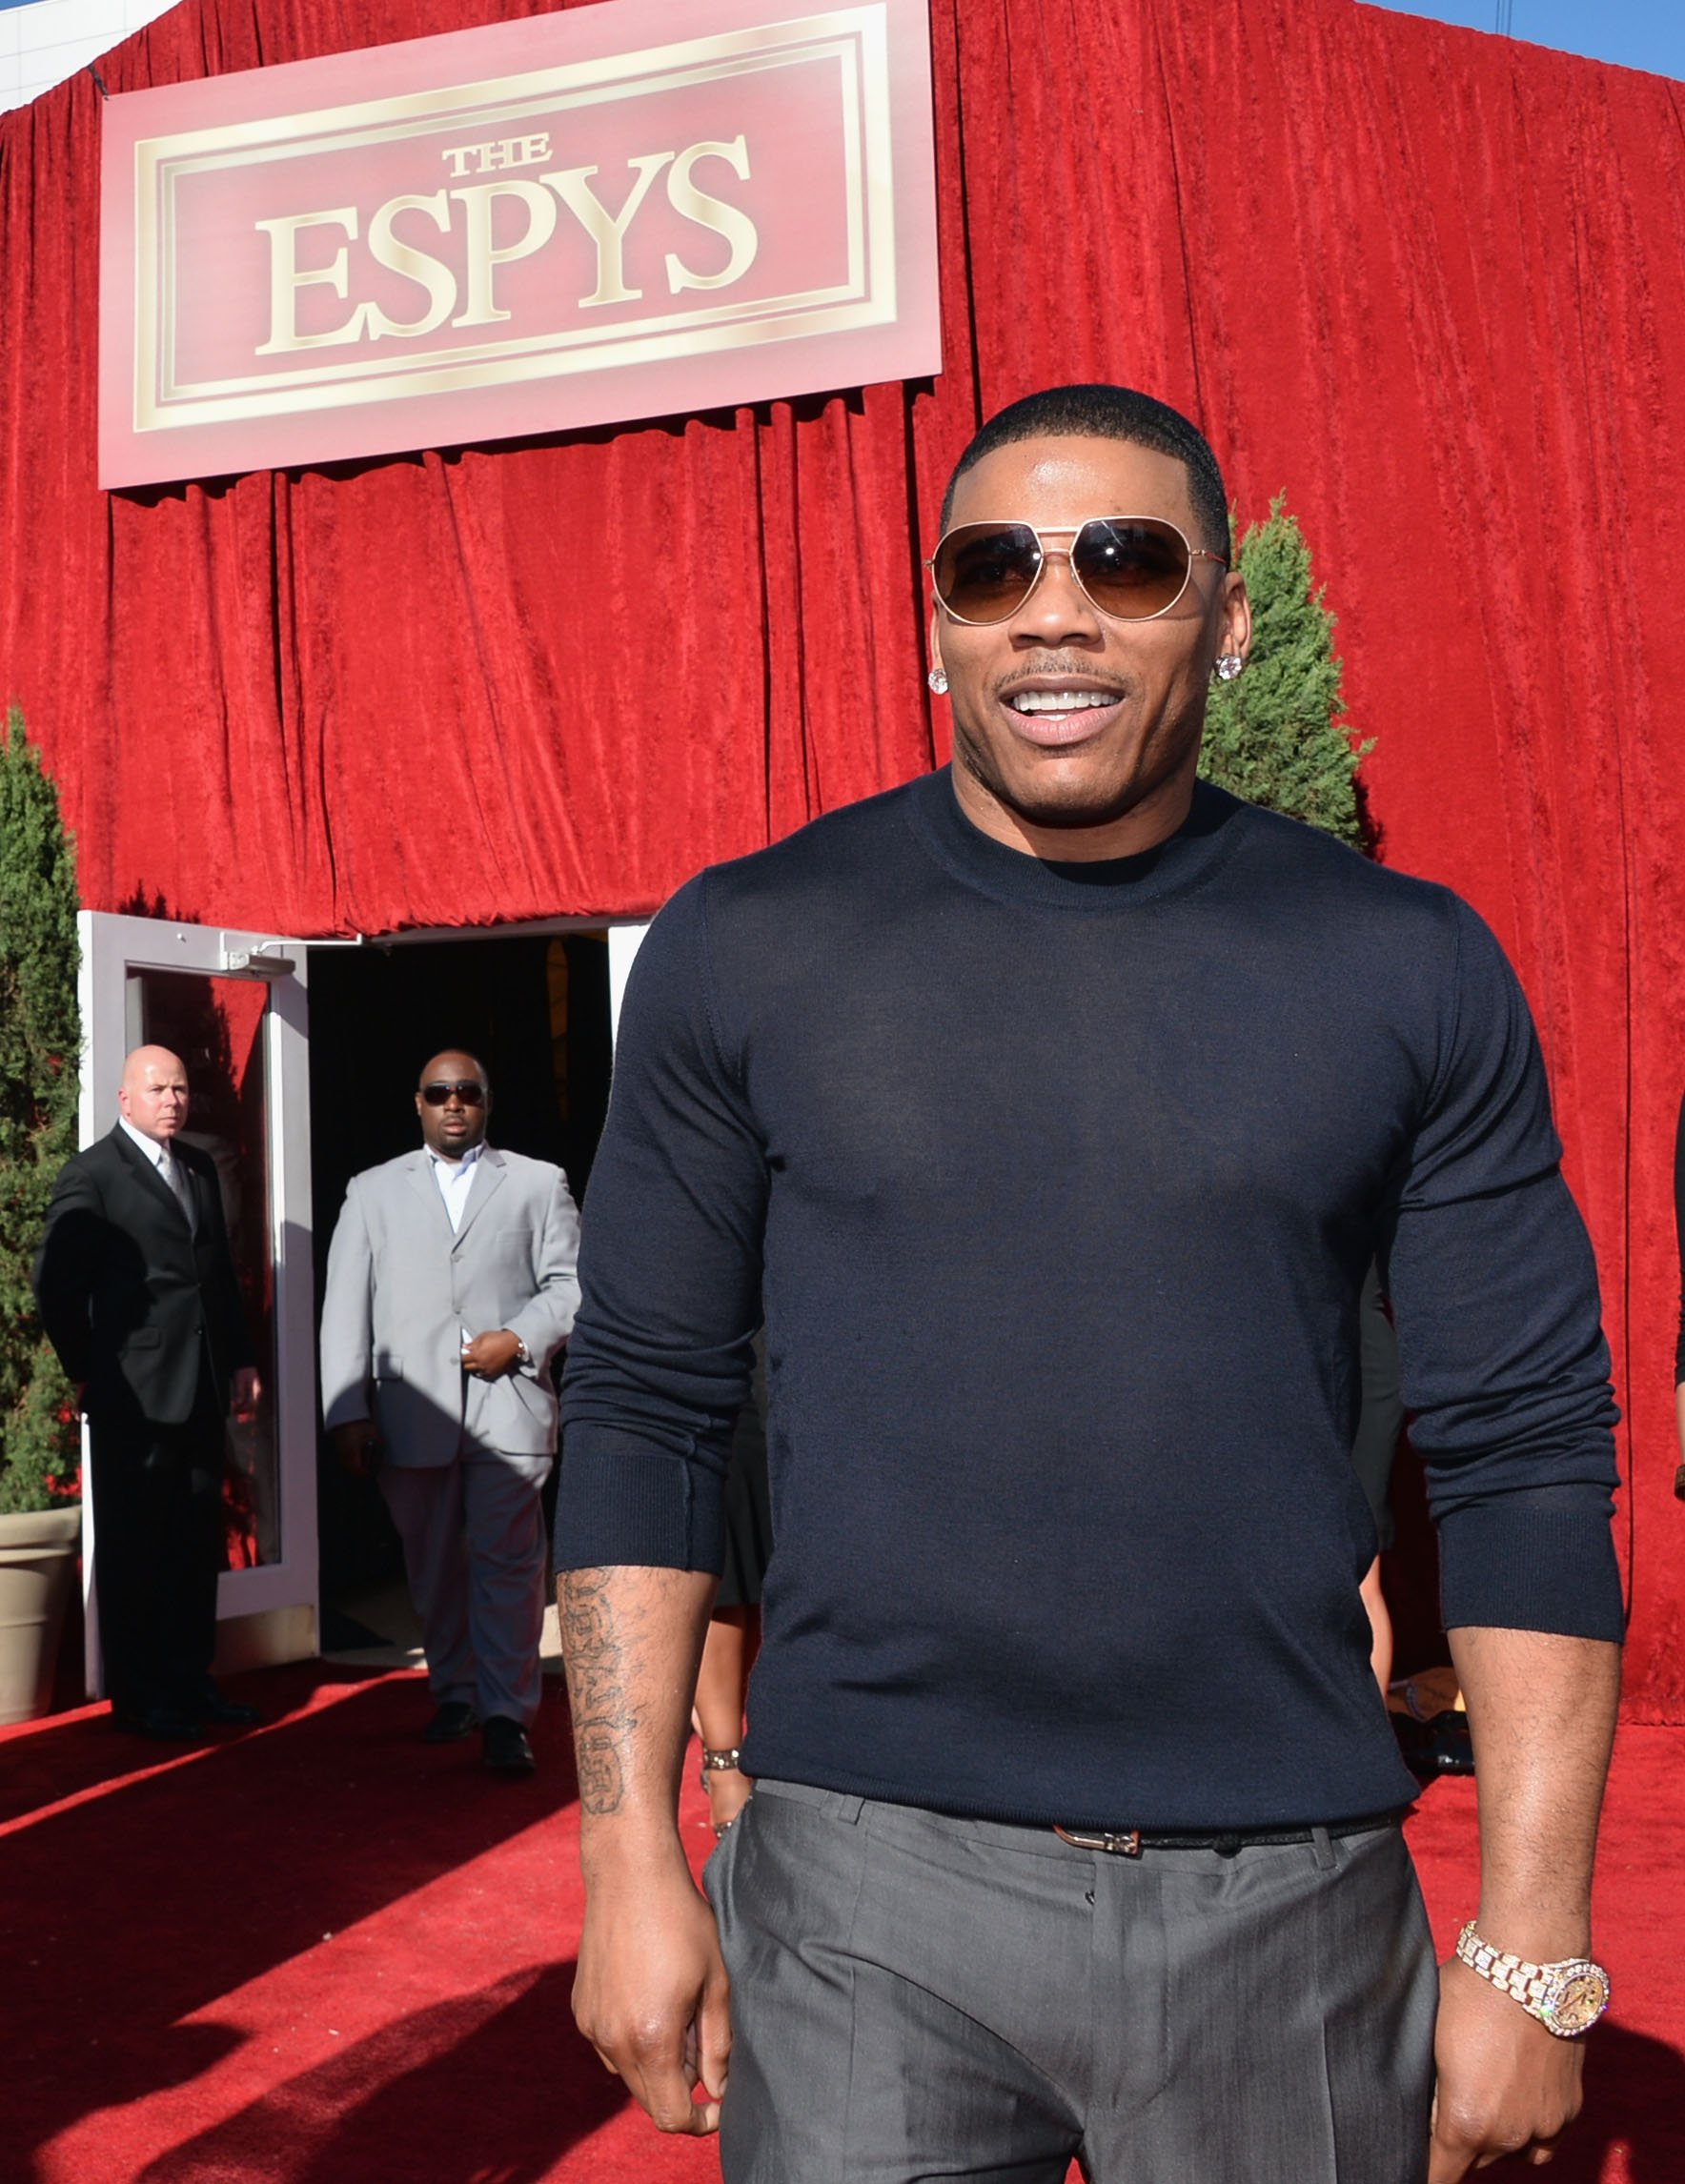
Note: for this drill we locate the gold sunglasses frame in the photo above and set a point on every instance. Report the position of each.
(1072, 532)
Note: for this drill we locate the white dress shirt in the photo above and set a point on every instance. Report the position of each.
(454, 1180)
(169, 1168)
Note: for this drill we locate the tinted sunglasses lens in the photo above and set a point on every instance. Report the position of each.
(1131, 569)
(984, 572)
(471, 1094)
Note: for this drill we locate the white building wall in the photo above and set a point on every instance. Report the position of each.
(45, 41)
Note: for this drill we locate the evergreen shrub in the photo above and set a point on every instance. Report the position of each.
(40, 1075)
(1278, 735)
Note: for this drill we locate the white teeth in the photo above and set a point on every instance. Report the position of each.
(1058, 700)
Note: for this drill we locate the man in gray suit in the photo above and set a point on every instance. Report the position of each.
(451, 1284)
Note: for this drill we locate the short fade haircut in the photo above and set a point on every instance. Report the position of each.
(1098, 412)
(468, 1054)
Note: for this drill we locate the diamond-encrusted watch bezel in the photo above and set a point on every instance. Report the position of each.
(1542, 1989)
(1577, 1970)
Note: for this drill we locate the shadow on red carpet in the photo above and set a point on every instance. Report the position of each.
(455, 2094)
(184, 1927)
(1633, 2126)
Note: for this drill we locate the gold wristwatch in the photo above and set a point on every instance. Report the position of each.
(1566, 1998)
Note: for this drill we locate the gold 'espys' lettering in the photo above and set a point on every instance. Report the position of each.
(462, 289)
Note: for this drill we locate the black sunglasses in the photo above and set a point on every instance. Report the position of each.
(468, 1089)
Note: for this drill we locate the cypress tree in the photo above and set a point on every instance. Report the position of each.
(40, 1074)
(1278, 735)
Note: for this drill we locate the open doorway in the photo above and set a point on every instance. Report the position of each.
(535, 1008)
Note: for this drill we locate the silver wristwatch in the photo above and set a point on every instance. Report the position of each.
(1566, 1998)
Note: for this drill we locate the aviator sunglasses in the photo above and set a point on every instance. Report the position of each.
(1131, 567)
(468, 1089)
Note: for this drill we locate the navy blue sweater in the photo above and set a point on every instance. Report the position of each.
(1058, 1183)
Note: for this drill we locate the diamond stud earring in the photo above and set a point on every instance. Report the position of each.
(1230, 666)
(936, 679)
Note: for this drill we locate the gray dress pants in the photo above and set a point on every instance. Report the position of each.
(475, 1556)
(917, 1997)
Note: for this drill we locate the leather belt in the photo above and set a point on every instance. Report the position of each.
(1131, 1842)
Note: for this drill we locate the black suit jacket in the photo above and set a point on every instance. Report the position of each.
(132, 1298)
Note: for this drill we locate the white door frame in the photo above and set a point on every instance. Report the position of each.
(112, 947)
(623, 944)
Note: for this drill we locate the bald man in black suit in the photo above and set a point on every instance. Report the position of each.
(137, 1293)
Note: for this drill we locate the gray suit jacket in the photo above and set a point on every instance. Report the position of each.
(401, 1287)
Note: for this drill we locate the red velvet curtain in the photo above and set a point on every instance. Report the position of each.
(1429, 283)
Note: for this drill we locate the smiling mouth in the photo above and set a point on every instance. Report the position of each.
(1064, 702)
(1054, 716)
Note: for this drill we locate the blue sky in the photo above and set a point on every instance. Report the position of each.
(1636, 33)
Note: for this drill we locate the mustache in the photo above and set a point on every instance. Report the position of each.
(1054, 665)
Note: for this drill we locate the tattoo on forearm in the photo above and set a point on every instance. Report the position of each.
(600, 1653)
(602, 1782)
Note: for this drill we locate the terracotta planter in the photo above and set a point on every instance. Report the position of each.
(37, 1570)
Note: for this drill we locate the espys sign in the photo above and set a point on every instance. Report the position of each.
(619, 211)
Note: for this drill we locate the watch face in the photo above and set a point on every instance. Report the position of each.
(1580, 2000)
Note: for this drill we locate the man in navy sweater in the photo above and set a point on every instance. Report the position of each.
(1057, 1105)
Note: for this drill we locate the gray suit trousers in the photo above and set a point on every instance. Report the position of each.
(476, 1559)
(915, 1997)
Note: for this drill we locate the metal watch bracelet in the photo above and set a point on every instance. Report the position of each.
(1566, 1998)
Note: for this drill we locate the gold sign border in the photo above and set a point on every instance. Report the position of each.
(857, 35)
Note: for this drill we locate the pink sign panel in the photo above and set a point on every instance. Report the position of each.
(621, 211)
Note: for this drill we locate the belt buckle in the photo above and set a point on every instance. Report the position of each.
(1116, 1843)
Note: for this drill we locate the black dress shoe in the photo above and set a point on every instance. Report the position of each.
(165, 1724)
(451, 1723)
(507, 1750)
(231, 1713)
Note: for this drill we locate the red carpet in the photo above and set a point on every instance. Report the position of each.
(325, 1954)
